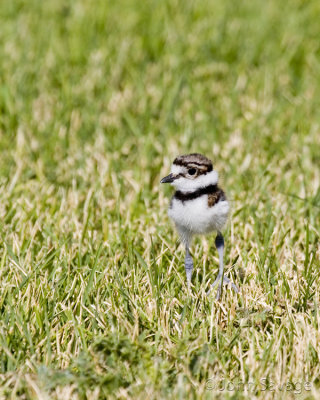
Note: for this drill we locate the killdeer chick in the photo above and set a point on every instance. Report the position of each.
(198, 206)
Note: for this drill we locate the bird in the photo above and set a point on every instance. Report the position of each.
(199, 206)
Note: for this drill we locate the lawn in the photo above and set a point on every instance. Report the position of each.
(96, 100)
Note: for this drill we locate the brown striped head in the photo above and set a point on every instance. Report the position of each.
(195, 161)
(190, 172)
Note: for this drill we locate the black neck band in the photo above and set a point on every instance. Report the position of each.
(197, 193)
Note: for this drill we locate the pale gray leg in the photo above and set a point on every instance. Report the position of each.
(220, 278)
(188, 265)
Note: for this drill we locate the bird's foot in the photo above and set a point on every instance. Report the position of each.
(225, 281)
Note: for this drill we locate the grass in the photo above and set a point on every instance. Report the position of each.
(96, 99)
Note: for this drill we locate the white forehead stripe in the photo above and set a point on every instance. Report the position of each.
(177, 169)
(188, 185)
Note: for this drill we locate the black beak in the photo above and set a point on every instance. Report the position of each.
(168, 179)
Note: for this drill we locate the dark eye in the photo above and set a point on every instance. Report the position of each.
(192, 171)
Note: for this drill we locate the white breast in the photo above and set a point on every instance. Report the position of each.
(196, 217)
